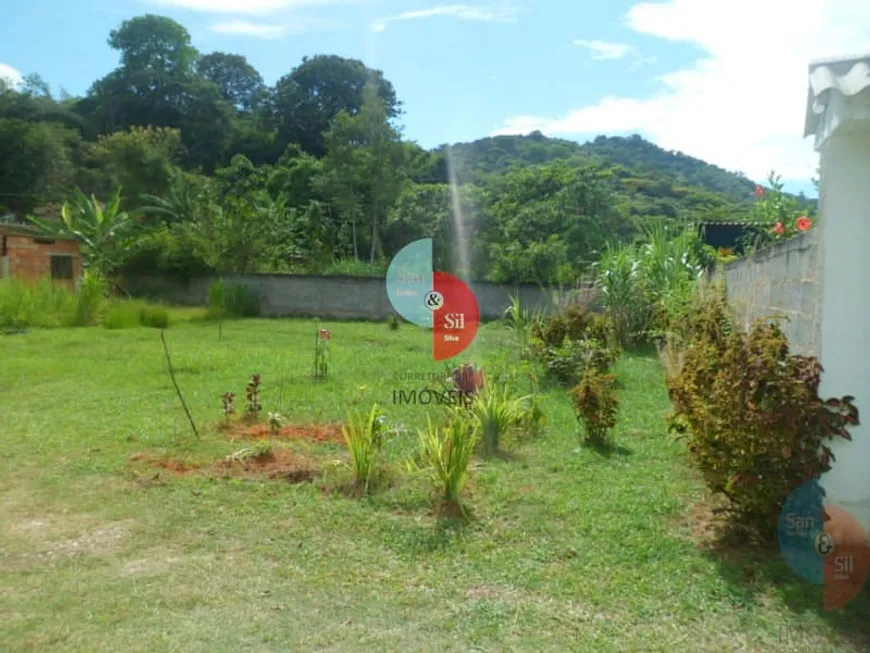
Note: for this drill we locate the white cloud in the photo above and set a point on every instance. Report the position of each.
(606, 51)
(488, 14)
(741, 104)
(10, 75)
(602, 50)
(244, 28)
(246, 7)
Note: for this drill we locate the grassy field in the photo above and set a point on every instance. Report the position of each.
(566, 549)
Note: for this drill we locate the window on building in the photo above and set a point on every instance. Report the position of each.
(61, 267)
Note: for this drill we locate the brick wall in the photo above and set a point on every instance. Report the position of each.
(31, 261)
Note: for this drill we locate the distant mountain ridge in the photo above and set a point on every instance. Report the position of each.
(496, 154)
(648, 180)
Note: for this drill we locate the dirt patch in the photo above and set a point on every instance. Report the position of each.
(177, 466)
(706, 524)
(277, 464)
(310, 432)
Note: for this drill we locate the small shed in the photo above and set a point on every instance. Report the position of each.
(27, 253)
(729, 235)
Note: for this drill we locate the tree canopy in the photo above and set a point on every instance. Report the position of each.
(220, 171)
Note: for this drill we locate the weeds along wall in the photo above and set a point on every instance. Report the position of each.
(784, 279)
(333, 297)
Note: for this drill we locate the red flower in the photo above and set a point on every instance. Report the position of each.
(325, 334)
(779, 229)
(759, 191)
(803, 223)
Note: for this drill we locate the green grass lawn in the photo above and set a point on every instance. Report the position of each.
(565, 550)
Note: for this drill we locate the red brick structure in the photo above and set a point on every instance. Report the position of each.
(28, 254)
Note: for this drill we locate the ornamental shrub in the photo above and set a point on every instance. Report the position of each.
(596, 404)
(750, 409)
(566, 343)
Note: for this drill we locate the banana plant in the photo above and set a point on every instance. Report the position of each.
(100, 229)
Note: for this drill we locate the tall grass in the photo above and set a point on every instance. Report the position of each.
(495, 411)
(228, 300)
(520, 320)
(91, 296)
(48, 305)
(132, 313)
(645, 285)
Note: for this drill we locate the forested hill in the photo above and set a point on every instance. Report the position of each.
(498, 154)
(225, 173)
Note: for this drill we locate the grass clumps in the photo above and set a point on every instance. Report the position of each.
(48, 305)
(447, 451)
(364, 437)
(129, 314)
(232, 300)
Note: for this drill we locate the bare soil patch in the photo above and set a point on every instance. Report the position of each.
(310, 432)
(277, 464)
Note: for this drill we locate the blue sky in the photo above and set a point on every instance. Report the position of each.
(691, 75)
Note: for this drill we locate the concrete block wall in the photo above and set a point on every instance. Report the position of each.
(783, 279)
(334, 296)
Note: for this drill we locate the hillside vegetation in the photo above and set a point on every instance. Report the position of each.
(222, 172)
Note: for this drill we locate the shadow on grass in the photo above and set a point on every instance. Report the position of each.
(606, 449)
(756, 572)
(643, 351)
(440, 532)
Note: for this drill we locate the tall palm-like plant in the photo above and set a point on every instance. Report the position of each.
(102, 230)
(179, 205)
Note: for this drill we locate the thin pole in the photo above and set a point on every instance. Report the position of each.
(175, 383)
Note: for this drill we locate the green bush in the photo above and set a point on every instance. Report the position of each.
(156, 317)
(90, 298)
(567, 342)
(133, 313)
(596, 404)
(640, 285)
(232, 300)
(121, 315)
(756, 426)
(571, 323)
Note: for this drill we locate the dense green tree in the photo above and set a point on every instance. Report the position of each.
(317, 91)
(363, 167)
(142, 160)
(37, 164)
(238, 81)
(294, 176)
(157, 44)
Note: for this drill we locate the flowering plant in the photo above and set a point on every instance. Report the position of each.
(782, 213)
(321, 353)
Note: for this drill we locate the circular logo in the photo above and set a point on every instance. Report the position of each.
(824, 544)
(434, 300)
